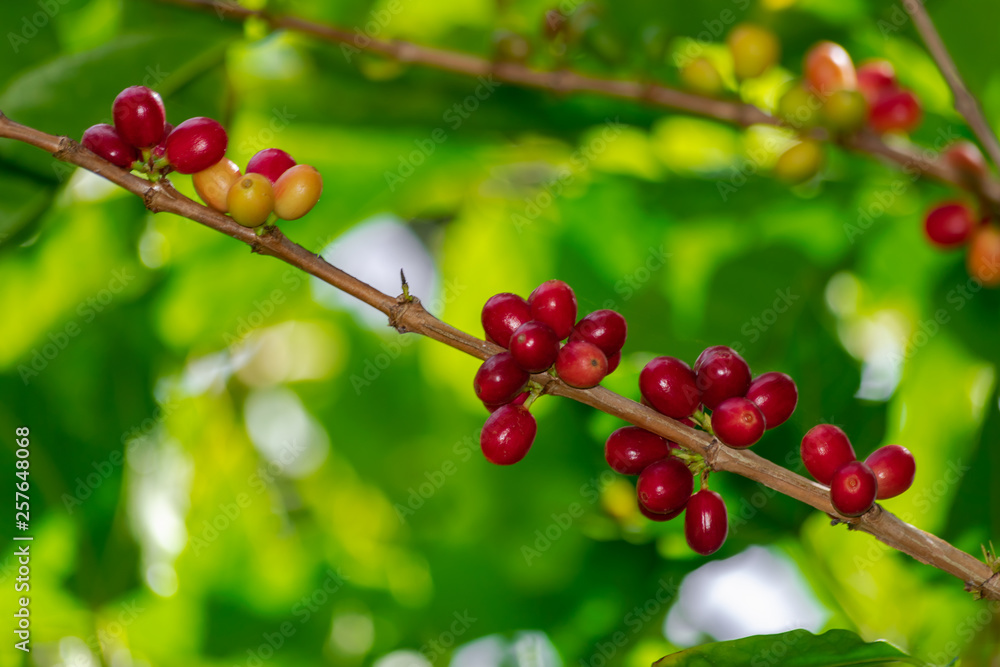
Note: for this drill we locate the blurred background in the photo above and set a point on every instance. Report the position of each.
(234, 465)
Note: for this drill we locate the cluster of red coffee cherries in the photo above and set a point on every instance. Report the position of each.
(532, 331)
(855, 485)
(142, 140)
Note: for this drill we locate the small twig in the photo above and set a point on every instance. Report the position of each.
(965, 102)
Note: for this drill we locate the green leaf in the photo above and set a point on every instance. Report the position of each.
(798, 648)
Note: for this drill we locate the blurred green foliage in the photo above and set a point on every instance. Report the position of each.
(135, 346)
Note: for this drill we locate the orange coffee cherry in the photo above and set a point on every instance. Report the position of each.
(297, 191)
(213, 184)
(251, 200)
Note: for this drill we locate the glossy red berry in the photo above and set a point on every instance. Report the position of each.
(581, 364)
(534, 346)
(876, 78)
(983, 258)
(554, 303)
(196, 144)
(721, 373)
(604, 328)
(270, 162)
(895, 112)
(139, 116)
(949, 225)
(670, 386)
(894, 467)
(613, 362)
(706, 522)
(105, 140)
(737, 422)
(776, 396)
(828, 67)
(508, 434)
(518, 400)
(502, 314)
(966, 157)
(630, 449)
(160, 150)
(824, 449)
(853, 488)
(499, 379)
(665, 485)
(657, 516)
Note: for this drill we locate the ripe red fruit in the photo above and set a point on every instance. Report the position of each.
(828, 67)
(502, 314)
(139, 116)
(721, 373)
(160, 149)
(983, 260)
(706, 522)
(894, 467)
(670, 386)
(656, 516)
(508, 434)
(737, 422)
(824, 449)
(853, 488)
(966, 157)
(196, 144)
(665, 485)
(604, 328)
(499, 379)
(895, 112)
(630, 449)
(105, 140)
(534, 347)
(519, 400)
(581, 364)
(949, 225)
(876, 78)
(554, 303)
(613, 362)
(775, 395)
(270, 162)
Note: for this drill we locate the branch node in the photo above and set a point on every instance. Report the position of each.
(67, 147)
(398, 311)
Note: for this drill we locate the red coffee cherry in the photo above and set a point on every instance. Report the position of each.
(776, 396)
(896, 112)
(297, 191)
(196, 144)
(630, 449)
(670, 386)
(604, 328)
(754, 50)
(105, 140)
(508, 434)
(213, 184)
(983, 258)
(521, 398)
(876, 78)
(665, 486)
(270, 162)
(737, 422)
(250, 200)
(613, 362)
(160, 149)
(853, 488)
(706, 522)
(499, 379)
(534, 347)
(824, 449)
(894, 467)
(828, 68)
(581, 364)
(966, 157)
(721, 373)
(656, 516)
(554, 303)
(502, 314)
(139, 116)
(949, 225)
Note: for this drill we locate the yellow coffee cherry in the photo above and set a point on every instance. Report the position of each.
(845, 111)
(297, 191)
(754, 50)
(251, 200)
(213, 184)
(701, 76)
(799, 163)
(799, 108)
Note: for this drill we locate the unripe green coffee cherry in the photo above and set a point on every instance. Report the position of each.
(845, 111)
(701, 76)
(799, 108)
(754, 50)
(799, 163)
(251, 200)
